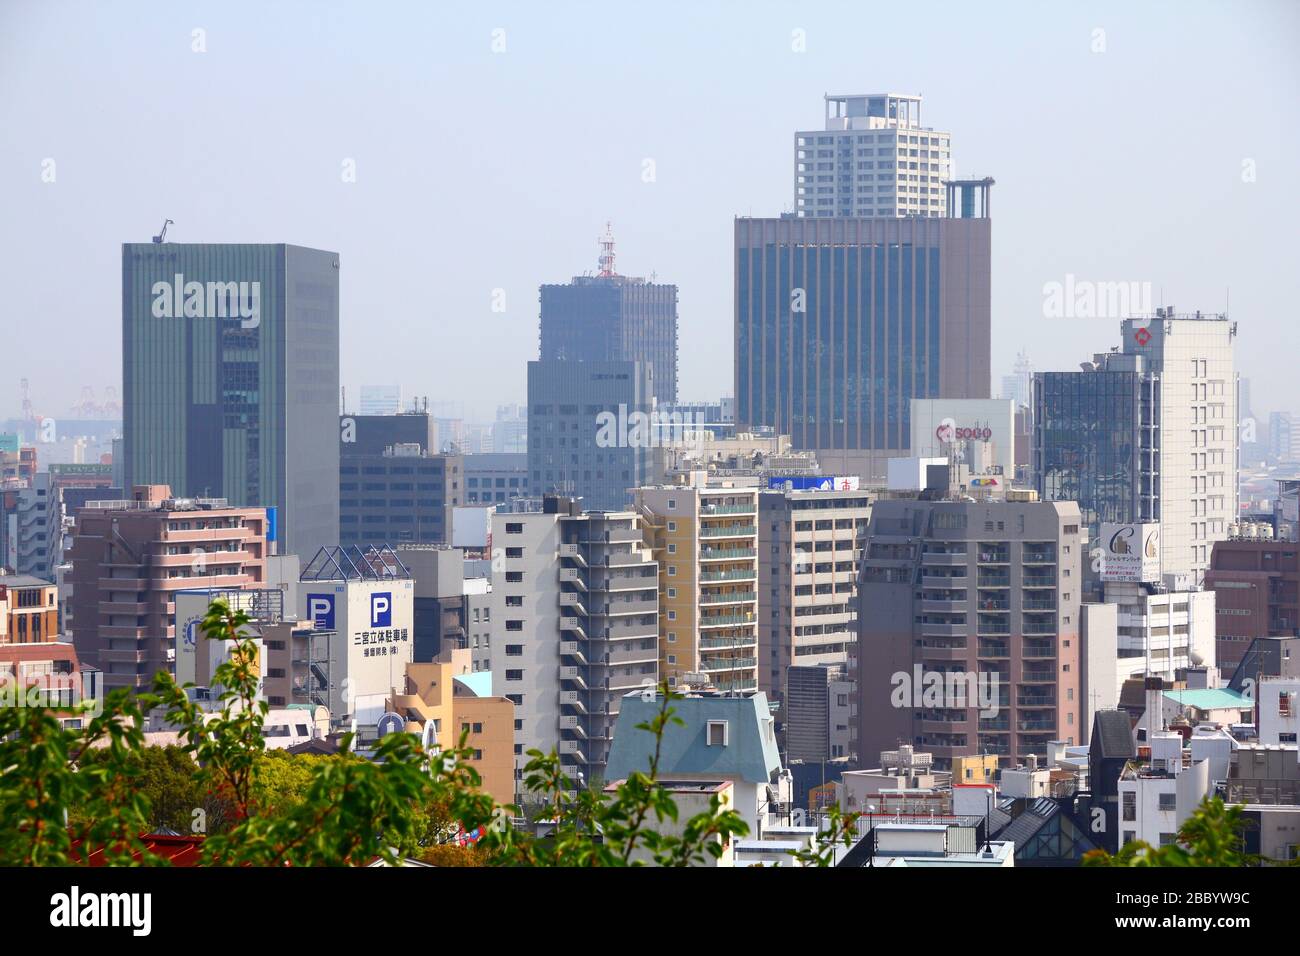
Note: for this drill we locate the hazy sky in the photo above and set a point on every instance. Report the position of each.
(1151, 142)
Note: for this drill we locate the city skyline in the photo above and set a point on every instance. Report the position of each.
(374, 186)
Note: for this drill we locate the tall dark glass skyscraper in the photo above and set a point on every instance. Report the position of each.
(230, 371)
(1086, 440)
(611, 318)
(840, 322)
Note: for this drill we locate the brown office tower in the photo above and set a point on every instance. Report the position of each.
(841, 322)
(968, 627)
(1256, 584)
(129, 557)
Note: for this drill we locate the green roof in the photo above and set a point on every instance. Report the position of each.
(1215, 698)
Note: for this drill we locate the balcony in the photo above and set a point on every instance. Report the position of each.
(1039, 604)
(943, 559)
(573, 553)
(938, 651)
(727, 620)
(992, 626)
(726, 643)
(1038, 581)
(728, 531)
(573, 576)
(943, 605)
(574, 626)
(744, 574)
(1038, 556)
(1038, 675)
(573, 650)
(943, 582)
(573, 725)
(571, 601)
(727, 554)
(1032, 652)
(729, 597)
(728, 663)
(737, 509)
(995, 580)
(1034, 701)
(735, 685)
(573, 675)
(994, 556)
(945, 629)
(994, 650)
(1036, 726)
(571, 698)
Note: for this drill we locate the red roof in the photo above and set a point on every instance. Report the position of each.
(180, 850)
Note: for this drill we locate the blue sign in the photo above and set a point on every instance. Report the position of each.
(381, 609)
(272, 523)
(320, 609)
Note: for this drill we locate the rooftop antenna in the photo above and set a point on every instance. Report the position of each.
(607, 252)
(162, 236)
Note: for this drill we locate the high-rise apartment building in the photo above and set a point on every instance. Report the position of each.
(1256, 584)
(575, 601)
(612, 318)
(130, 557)
(841, 322)
(872, 159)
(588, 430)
(705, 539)
(968, 628)
(809, 548)
(1148, 434)
(230, 372)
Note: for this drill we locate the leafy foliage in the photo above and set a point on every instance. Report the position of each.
(1212, 836)
(65, 791)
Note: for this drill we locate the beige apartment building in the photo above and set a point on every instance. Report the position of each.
(810, 545)
(444, 691)
(129, 558)
(705, 541)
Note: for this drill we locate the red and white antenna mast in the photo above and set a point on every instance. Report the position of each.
(607, 252)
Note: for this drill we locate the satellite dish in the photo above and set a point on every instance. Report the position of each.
(390, 723)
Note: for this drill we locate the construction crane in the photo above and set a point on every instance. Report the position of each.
(158, 239)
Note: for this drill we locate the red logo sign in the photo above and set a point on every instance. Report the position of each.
(1143, 336)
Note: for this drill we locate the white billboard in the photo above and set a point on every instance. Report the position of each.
(985, 427)
(1130, 552)
(374, 621)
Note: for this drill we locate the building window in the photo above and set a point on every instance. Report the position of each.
(717, 733)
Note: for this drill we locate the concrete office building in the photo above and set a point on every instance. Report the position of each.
(510, 430)
(129, 558)
(1148, 434)
(1161, 628)
(588, 434)
(364, 598)
(968, 628)
(809, 549)
(230, 373)
(495, 478)
(612, 318)
(575, 601)
(401, 495)
(705, 539)
(361, 435)
(1256, 584)
(841, 322)
(872, 159)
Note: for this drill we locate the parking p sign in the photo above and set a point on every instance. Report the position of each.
(381, 609)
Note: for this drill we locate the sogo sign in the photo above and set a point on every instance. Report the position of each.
(949, 432)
